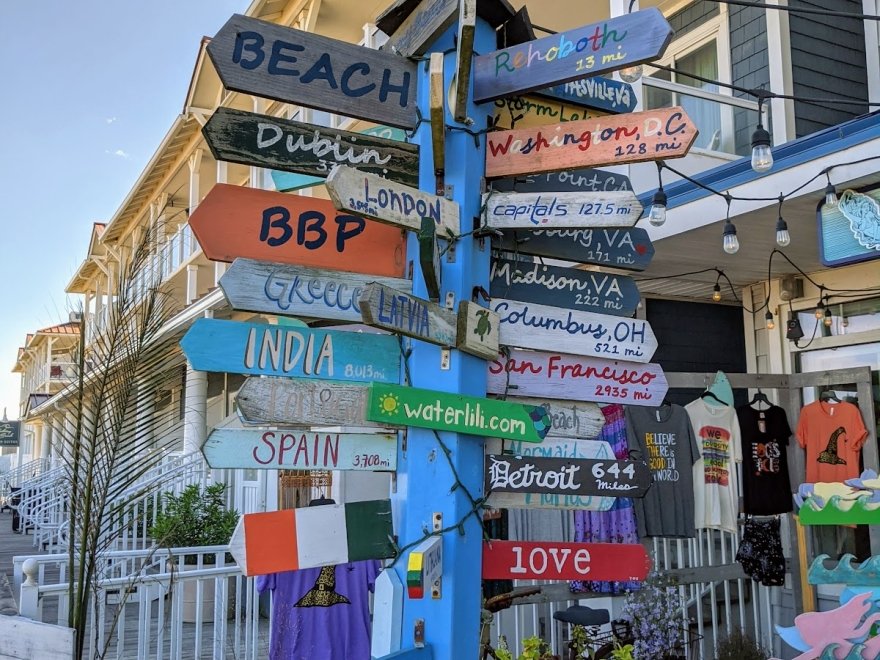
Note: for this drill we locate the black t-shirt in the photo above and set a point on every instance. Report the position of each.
(766, 486)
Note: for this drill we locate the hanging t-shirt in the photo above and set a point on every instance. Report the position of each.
(833, 435)
(664, 438)
(321, 613)
(716, 495)
(766, 486)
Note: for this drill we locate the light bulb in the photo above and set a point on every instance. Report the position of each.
(829, 320)
(630, 74)
(820, 310)
(830, 195)
(783, 238)
(730, 242)
(768, 317)
(762, 155)
(716, 293)
(657, 214)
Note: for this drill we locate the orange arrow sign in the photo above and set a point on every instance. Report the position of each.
(257, 224)
(614, 140)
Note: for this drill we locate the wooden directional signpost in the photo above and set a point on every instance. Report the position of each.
(564, 210)
(236, 222)
(519, 474)
(570, 288)
(605, 94)
(602, 562)
(422, 26)
(269, 288)
(282, 144)
(429, 409)
(271, 350)
(569, 420)
(585, 51)
(292, 449)
(424, 568)
(477, 330)
(528, 325)
(530, 111)
(385, 308)
(464, 44)
(561, 376)
(582, 180)
(298, 402)
(429, 258)
(626, 249)
(391, 203)
(612, 140)
(281, 63)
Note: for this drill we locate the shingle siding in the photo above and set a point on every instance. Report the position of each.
(749, 63)
(692, 16)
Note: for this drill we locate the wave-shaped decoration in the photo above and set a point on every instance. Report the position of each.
(838, 511)
(863, 214)
(865, 574)
(825, 635)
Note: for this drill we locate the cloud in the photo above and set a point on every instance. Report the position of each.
(119, 152)
(110, 120)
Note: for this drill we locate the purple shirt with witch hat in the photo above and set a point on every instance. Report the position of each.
(321, 613)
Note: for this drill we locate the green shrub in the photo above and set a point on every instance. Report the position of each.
(740, 646)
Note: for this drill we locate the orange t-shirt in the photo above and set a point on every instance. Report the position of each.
(833, 435)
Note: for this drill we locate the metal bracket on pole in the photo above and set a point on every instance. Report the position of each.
(419, 634)
(445, 358)
(437, 524)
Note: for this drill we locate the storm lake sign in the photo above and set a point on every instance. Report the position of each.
(271, 350)
(268, 288)
(444, 411)
(264, 59)
(563, 210)
(627, 249)
(391, 203)
(521, 474)
(292, 449)
(385, 308)
(291, 146)
(611, 140)
(571, 288)
(585, 51)
(540, 327)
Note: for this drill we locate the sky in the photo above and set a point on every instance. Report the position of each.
(89, 89)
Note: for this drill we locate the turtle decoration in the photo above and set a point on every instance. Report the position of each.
(483, 324)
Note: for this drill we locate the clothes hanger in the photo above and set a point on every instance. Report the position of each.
(321, 500)
(760, 397)
(709, 393)
(828, 395)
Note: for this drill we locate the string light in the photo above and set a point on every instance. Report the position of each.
(657, 214)
(783, 238)
(630, 74)
(820, 309)
(830, 192)
(762, 155)
(768, 317)
(716, 293)
(730, 242)
(829, 319)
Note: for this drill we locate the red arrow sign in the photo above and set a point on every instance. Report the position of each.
(548, 560)
(244, 222)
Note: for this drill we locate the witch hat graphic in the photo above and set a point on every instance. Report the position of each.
(323, 594)
(830, 454)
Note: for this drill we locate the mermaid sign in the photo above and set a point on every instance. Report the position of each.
(850, 231)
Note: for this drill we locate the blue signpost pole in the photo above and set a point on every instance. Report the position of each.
(426, 475)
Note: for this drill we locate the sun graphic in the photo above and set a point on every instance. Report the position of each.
(388, 403)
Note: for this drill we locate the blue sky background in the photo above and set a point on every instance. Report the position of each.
(89, 89)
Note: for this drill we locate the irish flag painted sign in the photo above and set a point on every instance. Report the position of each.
(429, 409)
(291, 539)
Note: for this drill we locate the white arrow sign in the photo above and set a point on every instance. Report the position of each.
(561, 210)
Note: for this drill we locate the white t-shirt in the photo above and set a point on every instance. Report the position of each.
(716, 491)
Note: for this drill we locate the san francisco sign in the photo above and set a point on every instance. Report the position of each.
(612, 140)
(268, 288)
(571, 288)
(271, 350)
(264, 59)
(626, 249)
(549, 560)
(583, 52)
(289, 449)
(282, 144)
(443, 411)
(561, 376)
(233, 221)
(529, 325)
(563, 210)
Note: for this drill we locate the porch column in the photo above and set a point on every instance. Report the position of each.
(195, 410)
(70, 432)
(144, 411)
(37, 448)
(46, 446)
(192, 271)
(222, 177)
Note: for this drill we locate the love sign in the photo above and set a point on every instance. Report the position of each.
(523, 560)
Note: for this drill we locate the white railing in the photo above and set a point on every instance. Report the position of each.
(16, 477)
(162, 603)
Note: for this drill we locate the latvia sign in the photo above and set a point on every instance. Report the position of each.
(564, 210)
(271, 350)
(293, 539)
(560, 376)
(385, 308)
(570, 288)
(281, 144)
(626, 249)
(298, 402)
(264, 59)
(602, 562)
(605, 94)
(519, 474)
(267, 288)
(289, 449)
(236, 222)
(584, 180)
(391, 203)
(585, 51)
(612, 140)
(528, 325)
(443, 411)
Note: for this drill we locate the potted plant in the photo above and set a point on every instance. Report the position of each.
(654, 612)
(738, 645)
(195, 518)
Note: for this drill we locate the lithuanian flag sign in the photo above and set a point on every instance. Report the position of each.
(288, 540)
